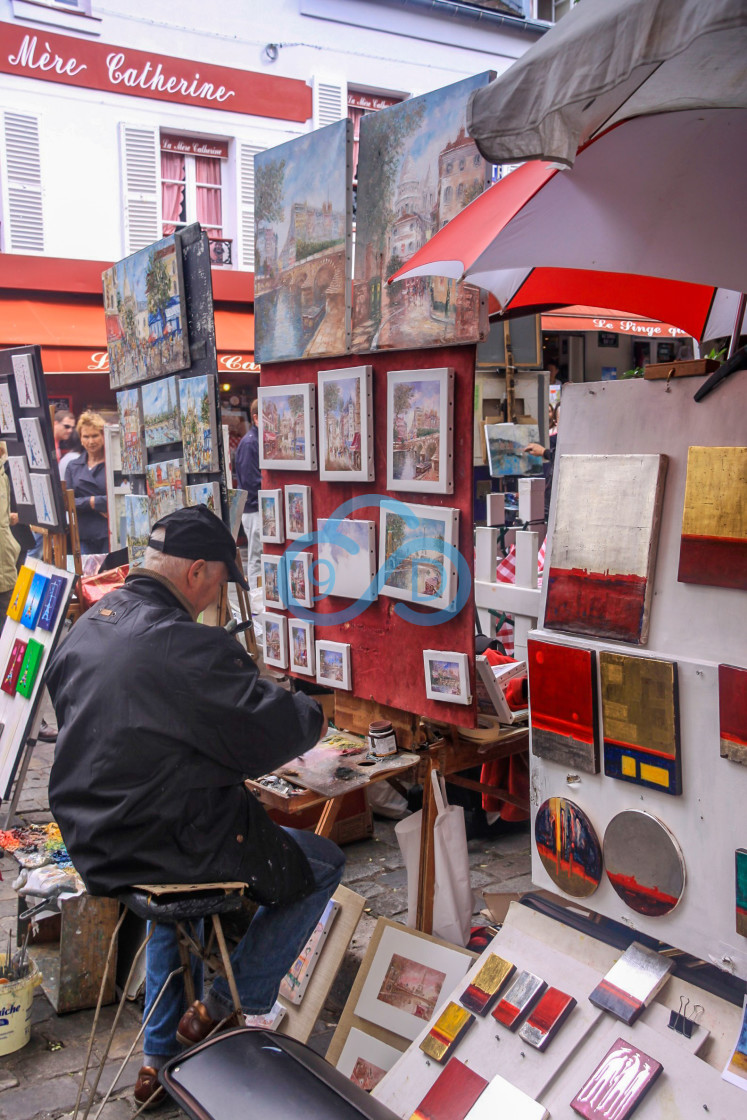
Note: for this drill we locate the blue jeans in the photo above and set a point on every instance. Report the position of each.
(269, 947)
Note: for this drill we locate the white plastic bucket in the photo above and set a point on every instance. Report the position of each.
(16, 998)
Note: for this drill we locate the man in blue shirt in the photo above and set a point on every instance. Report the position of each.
(249, 478)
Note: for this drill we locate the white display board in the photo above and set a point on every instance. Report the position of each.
(698, 627)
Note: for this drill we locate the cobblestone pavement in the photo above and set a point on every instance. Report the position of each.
(41, 1080)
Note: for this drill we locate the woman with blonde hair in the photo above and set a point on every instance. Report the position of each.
(86, 477)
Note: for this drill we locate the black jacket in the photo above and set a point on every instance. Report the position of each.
(160, 720)
(248, 474)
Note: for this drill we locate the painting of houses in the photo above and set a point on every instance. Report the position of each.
(146, 314)
(417, 169)
(287, 427)
(346, 426)
(165, 482)
(130, 431)
(199, 424)
(161, 412)
(302, 247)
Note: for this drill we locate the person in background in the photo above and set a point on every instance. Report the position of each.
(548, 455)
(9, 546)
(249, 478)
(64, 426)
(86, 477)
(70, 448)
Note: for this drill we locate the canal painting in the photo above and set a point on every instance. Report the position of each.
(417, 169)
(146, 314)
(287, 427)
(199, 423)
(302, 245)
(420, 430)
(161, 412)
(346, 425)
(416, 554)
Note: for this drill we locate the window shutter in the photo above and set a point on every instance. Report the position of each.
(330, 101)
(141, 195)
(246, 196)
(22, 161)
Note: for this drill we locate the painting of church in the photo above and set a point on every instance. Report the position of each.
(199, 424)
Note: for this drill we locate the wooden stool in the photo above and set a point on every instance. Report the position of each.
(180, 905)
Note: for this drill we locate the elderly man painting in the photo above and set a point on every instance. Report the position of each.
(160, 721)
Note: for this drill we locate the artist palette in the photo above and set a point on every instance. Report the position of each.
(452, 1095)
(546, 1018)
(480, 995)
(520, 997)
(618, 1084)
(632, 983)
(447, 1032)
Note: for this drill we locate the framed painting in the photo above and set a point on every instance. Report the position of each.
(563, 704)
(417, 168)
(165, 485)
(713, 548)
(346, 425)
(275, 639)
(287, 427)
(333, 664)
(145, 313)
(298, 566)
(600, 578)
(41, 488)
(568, 847)
(346, 551)
(365, 1059)
(137, 515)
(271, 516)
(297, 511)
(420, 431)
(23, 375)
(33, 441)
(446, 676)
(303, 215)
(273, 581)
(732, 710)
(641, 721)
(204, 494)
(301, 648)
(199, 423)
(19, 476)
(416, 549)
(7, 420)
(131, 444)
(505, 445)
(161, 419)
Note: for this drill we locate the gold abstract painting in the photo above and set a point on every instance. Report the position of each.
(713, 549)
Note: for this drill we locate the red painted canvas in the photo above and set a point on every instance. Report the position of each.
(523, 994)
(547, 1018)
(563, 703)
(600, 574)
(618, 1084)
(713, 548)
(13, 668)
(732, 710)
(452, 1095)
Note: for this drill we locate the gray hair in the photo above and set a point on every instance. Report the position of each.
(172, 567)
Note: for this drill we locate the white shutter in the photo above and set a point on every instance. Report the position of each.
(25, 219)
(247, 152)
(141, 180)
(330, 101)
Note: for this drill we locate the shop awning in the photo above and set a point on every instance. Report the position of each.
(580, 318)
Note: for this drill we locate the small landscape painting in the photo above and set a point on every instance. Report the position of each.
(506, 455)
(131, 431)
(161, 412)
(413, 554)
(146, 314)
(287, 427)
(713, 549)
(732, 708)
(301, 635)
(411, 987)
(644, 863)
(199, 425)
(165, 483)
(7, 420)
(736, 1067)
(568, 847)
(447, 676)
(420, 423)
(137, 513)
(297, 511)
(204, 494)
(365, 1059)
(346, 425)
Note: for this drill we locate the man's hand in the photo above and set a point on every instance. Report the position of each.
(535, 449)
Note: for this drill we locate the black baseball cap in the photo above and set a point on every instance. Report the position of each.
(197, 534)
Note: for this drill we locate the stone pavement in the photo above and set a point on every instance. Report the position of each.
(41, 1080)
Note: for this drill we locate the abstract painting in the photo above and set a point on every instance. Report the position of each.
(563, 702)
(452, 1094)
(33, 441)
(273, 581)
(298, 566)
(287, 427)
(23, 374)
(640, 713)
(601, 572)
(568, 847)
(713, 549)
(297, 511)
(505, 444)
(275, 640)
(447, 1032)
(130, 412)
(302, 245)
(504, 1100)
(333, 664)
(420, 430)
(165, 484)
(740, 862)
(618, 1084)
(137, 514)
(736, 1067)
(732, 710)
(295, 981)
(41, 488)
(644, 863)
(417, 169)
(146, 314)
(199, 423)
(346, 425)
(446, 676)
(271, 529)
(161, 419)
(365, 1059)
(347, 558)
(632, 982)
(482, 991)
(416, 549)
(7, 419)
(204, 494)
(546, 1018)
(19, 476)
(301, 646)
(525, 990)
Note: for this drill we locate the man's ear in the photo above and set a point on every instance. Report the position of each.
(194, 571)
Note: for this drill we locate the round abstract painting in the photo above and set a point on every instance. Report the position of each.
(644, 863)
(568, 847)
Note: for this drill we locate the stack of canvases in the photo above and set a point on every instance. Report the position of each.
(417, 168)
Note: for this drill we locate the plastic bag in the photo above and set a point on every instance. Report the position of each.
(93, 588)
(452, 893)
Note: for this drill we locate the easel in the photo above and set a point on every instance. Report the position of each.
(245, 610)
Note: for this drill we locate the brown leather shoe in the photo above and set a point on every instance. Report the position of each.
(148, 1093)
(195, 1024)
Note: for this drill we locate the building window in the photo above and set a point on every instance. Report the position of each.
(192, 188)
(462, 164)
(460, 192)
(447, 194)
(449, 168)
(550, 11)
(476, 159)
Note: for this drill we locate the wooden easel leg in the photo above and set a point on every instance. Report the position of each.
(427, 869)
(326, 822)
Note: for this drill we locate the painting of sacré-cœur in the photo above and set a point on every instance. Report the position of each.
(418, 168)
(303, 229)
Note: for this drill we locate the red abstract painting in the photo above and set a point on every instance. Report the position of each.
(452, 1095)
(732, 710)
(563, 702)
(713, 548)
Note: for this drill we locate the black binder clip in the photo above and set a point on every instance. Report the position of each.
(682, 1022)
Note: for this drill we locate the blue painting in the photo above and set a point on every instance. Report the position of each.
(506, 454)
(161, 412)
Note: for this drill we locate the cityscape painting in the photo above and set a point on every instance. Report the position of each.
(130, 431)
(346, 425)
(199, 424)
(415, 554)
(446, 676)
(161, 412)
(302, 245)
(420, 430)
(165, 482)
(146, 314)
(417, 169)
(287, 427)
(137, 513)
